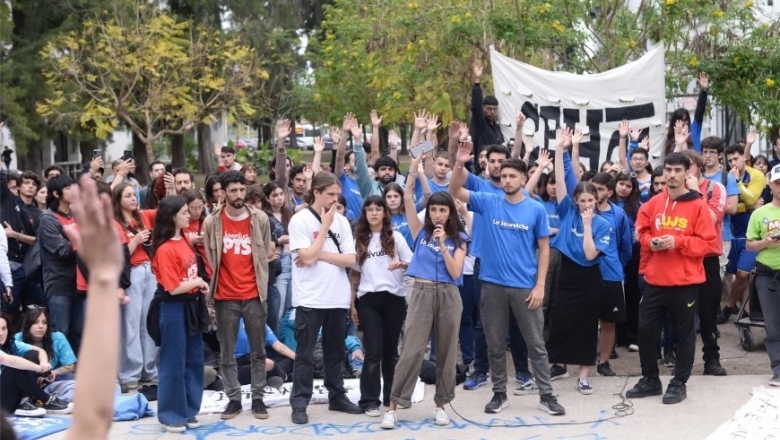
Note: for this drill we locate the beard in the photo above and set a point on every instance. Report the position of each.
(512, 191)
(386, 179)
(237, 203)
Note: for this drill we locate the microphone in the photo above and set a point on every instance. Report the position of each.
(438, 225)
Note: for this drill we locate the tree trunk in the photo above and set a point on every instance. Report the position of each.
(141, 151)
(293, 134)
(178, 157)
(86, 147)
(206, 163)
(32, 158)
(266, 131)
(383, 141)
(404, 134)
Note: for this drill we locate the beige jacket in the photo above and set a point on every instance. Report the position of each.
(260, 231)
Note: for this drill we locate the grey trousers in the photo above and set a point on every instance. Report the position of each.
(496, 303)
(768, 288)
(437, 307)
(228, 314)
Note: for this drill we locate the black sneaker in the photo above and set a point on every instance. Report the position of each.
(58, 407)
(670, 359)
(558, 372)
(497, 403)
(192, 423)
(341, 403)
(233, 409)
(726, 313)
(258, 409)
(675, 393)
(613, 355)
(28, 409)
(713, 368)
(603, 369)
(646, 387)
(550, 405)
(299, 416)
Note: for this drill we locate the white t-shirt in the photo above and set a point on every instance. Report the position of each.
(323, 285)
(374, 276)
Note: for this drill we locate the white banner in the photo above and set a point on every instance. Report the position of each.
(216, 401)
(756, 420)
(597, 103)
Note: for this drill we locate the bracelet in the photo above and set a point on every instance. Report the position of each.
(458, 166)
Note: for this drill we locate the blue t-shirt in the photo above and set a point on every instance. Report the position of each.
(298, 201)
(551, 207)
(242, 343)
(351, 192)
(731, 190)
(478, 185)
(399, 223)
(428, 263)
(510, 239)
(569, 238)
(609, 261)
(62, 352)
(418, 192)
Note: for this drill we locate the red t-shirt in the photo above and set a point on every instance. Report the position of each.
(195, 227)
(139, 255)
(174, 263)
(236, 281)
(81, 283)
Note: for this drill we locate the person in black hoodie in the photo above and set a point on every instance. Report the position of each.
(59, 261)
(484, 129)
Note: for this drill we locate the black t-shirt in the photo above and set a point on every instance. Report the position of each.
(7, 155)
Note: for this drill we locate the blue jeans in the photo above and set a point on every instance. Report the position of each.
(24, 292)
(273, 303)
(180, 388)
(468, 297)
(284, 285)
(67, 316)
(139, 354)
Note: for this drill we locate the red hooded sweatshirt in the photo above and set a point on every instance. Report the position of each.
(687, 218)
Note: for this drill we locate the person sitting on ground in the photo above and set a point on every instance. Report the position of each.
(37, 332)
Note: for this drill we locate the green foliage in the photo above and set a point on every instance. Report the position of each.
(745, 76)
(262, 156)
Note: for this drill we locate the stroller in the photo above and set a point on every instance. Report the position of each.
(745, 321)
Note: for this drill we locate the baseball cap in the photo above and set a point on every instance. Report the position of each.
(775, 173)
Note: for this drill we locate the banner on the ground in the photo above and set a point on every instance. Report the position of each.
(756, 420)
(596, 102)
(216, 401)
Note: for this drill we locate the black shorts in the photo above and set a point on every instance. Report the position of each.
(613, 303)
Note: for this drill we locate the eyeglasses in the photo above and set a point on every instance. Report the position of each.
(197, 208)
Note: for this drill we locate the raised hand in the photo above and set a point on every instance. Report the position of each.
(319, 145)
(752, 136)
(285, 129)
(564, 135)
(704, 81)
(645, 143)
(461, 207)
(576, 137)
(217, 149)
(519, 119)
(420, 120)
(349, 120)
(464, 132)
(680, 133)
(392, 140)
(357, 131)
(635, 133)
(308, 171)
(463, 154)
(623, 128)
(376, 121)
(477, 67)
(432, 123)
(335, 134)
(544, 159)
(453, 130)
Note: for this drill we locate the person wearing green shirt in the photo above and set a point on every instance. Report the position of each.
(763, 236)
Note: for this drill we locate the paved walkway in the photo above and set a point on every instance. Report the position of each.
(711, 401)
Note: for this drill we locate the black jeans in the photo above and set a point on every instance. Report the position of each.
(382, 316)
(709, 300)
(18, 384)
(334, 329)
(627, 331)
(679, 301)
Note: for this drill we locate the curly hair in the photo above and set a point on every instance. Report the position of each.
(363, 230)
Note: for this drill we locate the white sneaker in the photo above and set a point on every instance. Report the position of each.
(633, 348)
(775, 380)
(373, 412)
(440, 417)
(389, 420)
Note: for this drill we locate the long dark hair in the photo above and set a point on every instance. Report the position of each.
(9, 346)
(657, 172)
(541, 191)
(398, 189)
(119, 214)
(680, 114)
(165, 225)
(210, 181)
(453, 227)
(269, 189)
(363, 230)
(586, 187)
(631, 204)
(193, 194)
(30, 317)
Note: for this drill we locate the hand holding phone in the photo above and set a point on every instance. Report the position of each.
(423, 148)
(127, 155)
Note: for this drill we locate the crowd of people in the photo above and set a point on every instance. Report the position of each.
(478, 247)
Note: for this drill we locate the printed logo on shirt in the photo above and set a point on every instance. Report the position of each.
(435, 247)
(317, 234)
(374, 254)
(239, 244)
(511, 226)
(605, 240)
(577, 233)
(675, 223)
(355, 192)
(771, 225)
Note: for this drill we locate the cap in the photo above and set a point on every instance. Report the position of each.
(775, 173)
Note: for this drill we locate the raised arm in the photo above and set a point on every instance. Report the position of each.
(420, 124)
(544, 162)
(376, 123)
(319, 147)
(623, 129)
(412, 220)
(282, 179)
(560, 176)
(459, 173)
(453, 140)
(698, 116)
(392, 143)
(519, 122)
(341, 147)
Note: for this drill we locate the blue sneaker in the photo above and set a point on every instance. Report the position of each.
(523, 377)
(475, 381)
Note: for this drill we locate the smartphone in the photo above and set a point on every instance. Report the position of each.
(655, 242)
(775, 235)
(128, 154)
(169, 168)
(97, 153)
(423, 148)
